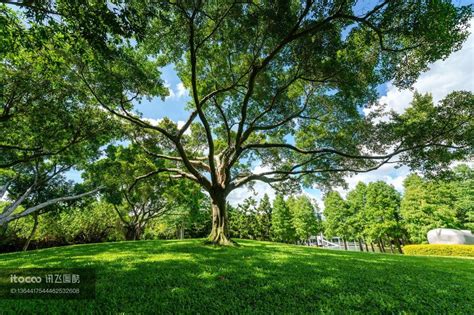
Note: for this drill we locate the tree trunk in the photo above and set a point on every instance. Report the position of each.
(220, 230)
(399, 247)
(382, 247)
(132, 232)
(3, 229)
(345, 244)
(360, 245)
(33, 231)
(366, 246)
(372, 246)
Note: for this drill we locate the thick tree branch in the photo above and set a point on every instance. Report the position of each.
(195, 162)
(292, 36)
(5, 218)
(202, 117)
(178, 171)
(135, 120)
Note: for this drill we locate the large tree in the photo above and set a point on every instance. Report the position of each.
(47, 123)
(282, 83)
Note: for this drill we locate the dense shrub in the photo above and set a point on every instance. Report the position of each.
(440, 250)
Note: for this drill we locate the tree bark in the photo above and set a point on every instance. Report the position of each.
(360, 245)
(3, 229)
(372, 246)
(399, 247)
(381, 248)
(220, 230)
(180, 231)
(345, 244)
(33, 231)
(132, 232)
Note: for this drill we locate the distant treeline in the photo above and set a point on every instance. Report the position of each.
(375, 214)
(378, 213)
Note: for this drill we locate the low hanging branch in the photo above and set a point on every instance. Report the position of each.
(7, 216)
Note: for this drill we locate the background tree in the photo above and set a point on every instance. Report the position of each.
(295, 73)
(336, 214)
(463, 183)
(265, 217)
(282, 221)
(189, 219)
(356, 200)
(418, 219)
(138, 202)
(305, 221)
(441, 203)
(382, 211)
(250, 223)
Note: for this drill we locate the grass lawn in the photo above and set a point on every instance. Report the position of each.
(257, 277)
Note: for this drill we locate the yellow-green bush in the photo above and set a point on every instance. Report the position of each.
(440, 250)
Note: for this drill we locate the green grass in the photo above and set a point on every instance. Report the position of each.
(257, 277)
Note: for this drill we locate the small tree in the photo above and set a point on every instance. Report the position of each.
(336, 213)
(382, 211)
(305, 221)
(265, 217)
(138, 202)
(282, 221)
(247, 220)
(356, 200)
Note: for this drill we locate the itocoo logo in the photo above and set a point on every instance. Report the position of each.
(27, 279)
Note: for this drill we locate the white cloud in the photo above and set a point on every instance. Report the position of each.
(258, 191)
(170, 90)
(178, 92)
(444, 76)
(152, 121)
(181, 90)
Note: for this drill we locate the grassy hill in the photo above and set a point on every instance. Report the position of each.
(257, 277)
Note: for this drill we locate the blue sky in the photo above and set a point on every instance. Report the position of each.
(454, 73)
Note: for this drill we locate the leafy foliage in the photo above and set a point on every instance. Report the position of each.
(139, 199)
(335, 214)
(282, 221)
(429, 204)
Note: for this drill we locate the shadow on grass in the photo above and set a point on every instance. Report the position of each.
(257, 277)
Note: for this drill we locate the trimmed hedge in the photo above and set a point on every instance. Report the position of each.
(439, 250)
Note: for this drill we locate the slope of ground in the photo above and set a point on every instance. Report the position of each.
(257, 277)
